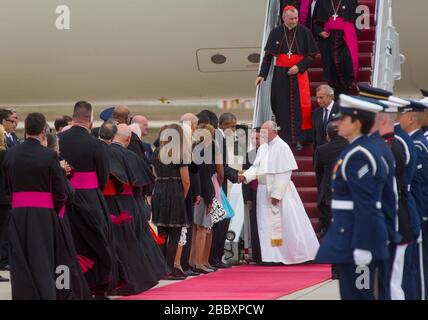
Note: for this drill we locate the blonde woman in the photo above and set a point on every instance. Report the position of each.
(171, 188)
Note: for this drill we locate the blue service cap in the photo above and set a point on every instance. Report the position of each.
(414, 106)
(358, 106)
(107, 113)
(366, 90)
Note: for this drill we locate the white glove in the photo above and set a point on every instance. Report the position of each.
(419, 238)
(362, 257)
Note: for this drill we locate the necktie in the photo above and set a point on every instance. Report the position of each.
(325, 119)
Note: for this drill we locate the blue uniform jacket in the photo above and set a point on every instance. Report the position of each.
(358, 221)
(390, 190)
(411, 158)
(419, 186)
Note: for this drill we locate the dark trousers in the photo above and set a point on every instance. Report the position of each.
(325, 216)
(4, 242)
(350, 279)
(172, 237)
(219, 237)
(185, 255)
(255, 241)
(412, 273)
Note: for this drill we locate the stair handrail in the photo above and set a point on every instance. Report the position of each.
(387, 59)
(262, 107)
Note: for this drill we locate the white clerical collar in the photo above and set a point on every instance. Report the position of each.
(352, 141)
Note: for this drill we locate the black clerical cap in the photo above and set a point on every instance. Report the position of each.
(358, 106)
(107, 113)
(414, 106)
(366, 90)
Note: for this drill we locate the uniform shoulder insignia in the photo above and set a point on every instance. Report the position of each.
(421, 146)
(363, 171)
(405, 147)
(353, 151)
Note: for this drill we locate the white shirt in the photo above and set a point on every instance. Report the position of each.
(329, 108)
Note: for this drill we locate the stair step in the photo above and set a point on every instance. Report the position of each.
(365, 46)
(304, 179)
(367, 34)
(365, 60)
(311, 210)
(304, 164)
(315, 85)
(316, 74)
(307, 150)
(308, 194)
(369, 3)
(315, 225)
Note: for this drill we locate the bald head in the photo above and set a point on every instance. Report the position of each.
(269, 128)
(121, 114)
(123, 135)
(143, 123)
(191, 119)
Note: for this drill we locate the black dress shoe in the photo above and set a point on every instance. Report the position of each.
(3, 279)
(173, 276)
(179, 273)
(190, 273)
(202, 271)
(222, 265)
(5, 268)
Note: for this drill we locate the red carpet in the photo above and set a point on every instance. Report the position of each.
(241, 283)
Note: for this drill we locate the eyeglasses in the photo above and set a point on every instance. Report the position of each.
(9, 120)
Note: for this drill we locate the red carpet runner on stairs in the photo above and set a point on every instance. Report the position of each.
(242, 283)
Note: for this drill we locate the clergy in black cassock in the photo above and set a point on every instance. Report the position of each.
(294, 48)
(35, 182)
(334, 27)
(142, 261)
(89, 215)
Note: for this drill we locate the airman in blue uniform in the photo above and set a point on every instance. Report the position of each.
(411, 121)
(358, 237)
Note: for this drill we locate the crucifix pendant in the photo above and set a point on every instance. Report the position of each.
(289, 54)
(335, 16)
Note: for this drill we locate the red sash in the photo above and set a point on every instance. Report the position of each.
(283, 60)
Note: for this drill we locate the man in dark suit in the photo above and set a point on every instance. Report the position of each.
(9, 121)
(324, 159)
(143, 123)
(249, 194)
(227, 122)
(322, 115)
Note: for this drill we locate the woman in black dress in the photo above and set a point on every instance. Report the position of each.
(171, 188)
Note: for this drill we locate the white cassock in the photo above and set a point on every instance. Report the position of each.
(285, 231)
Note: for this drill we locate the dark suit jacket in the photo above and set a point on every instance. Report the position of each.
(229, 173)
(319, 134)
(148, 148)
(11, 142)
(324, 160)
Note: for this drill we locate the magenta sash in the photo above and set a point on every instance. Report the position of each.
(32, 200)
(84, 180)
(304, 11)
(350, 37)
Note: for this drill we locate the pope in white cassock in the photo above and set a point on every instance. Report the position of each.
(285, 231)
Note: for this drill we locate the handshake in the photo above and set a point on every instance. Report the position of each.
(241, 177)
